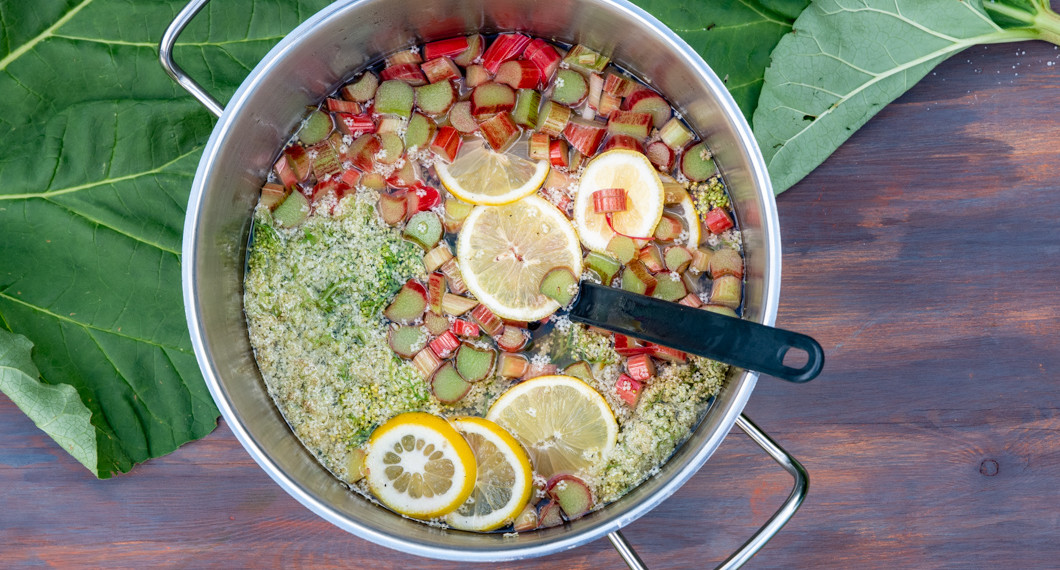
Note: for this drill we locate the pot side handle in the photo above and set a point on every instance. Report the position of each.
(769, 529)
(165, 55)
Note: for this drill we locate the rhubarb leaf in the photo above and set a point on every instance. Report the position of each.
(734, 38)
(98, 151)
(846, 59)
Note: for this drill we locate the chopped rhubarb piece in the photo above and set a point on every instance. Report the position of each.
(651, 258)
(571, 494)
(422, 197)
(559, 284)
(674, 134)
(355, 125)
(629, 346)
(500, 131)
(464, 328)
(476, 75)
(408, 305)
(553, 118)
(630, 123)
(543, 56)
(535, 370)
(577, 161)
(435, 99)
(669, 287)
(677, 258)
(726, 291)
(569, 88)
(325, 160)
(444, 344)
(512, 365)
(391, 148)
(518, 74)
(419, 132)
(661, 156)
(721, 310)
(436, 323)
(691, 300)
(435, 291)
(474, 363)
(343, 106)
(592, 101)
(457, 209)
(538, 147)
(580, 369)
(668, 354)
(395, 97)
(647, 101)
(628, 390)
(426, 362)
(519, 324)
(440, 69)
(726, 261)
(718, 220)
(491, 324)
(618, 85)
(490, 98)
(669, 228)
(316, 128)
(452, 274)
(363, 150)
(604, 267)
(550, 515)
(374, 181)
(446, 143)
(527, 102)
(700, 260)
(299, 162)
(292, 211)
(622, 141)
(513, 339)
(408, 72)
(637, 279)
(585, 136)
(559, 153)
(640, 368)
(455, 305)
(451, 47)
(434, 258)
(448, 385)
(609, 200)
(526, 519)
(460, 117)
(406, 176)
(622, 248)
(406, 340)
(362, 89)
(697, 162)
(355, 465)
(674, 193)
(475, 46)
(505, 47)
(283, 171)
(403, 57)
(585, 60)
(424, 229)
(608, 105)
(272, 194)
(390, 124)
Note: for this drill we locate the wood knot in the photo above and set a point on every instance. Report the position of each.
(989, 468)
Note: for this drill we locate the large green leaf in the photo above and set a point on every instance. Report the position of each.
(846, 59)
(96, 159)
(735, 38)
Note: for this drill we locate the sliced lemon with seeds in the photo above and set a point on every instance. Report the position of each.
(480, 175)
(504, 252)
(504, 481)
(564, 424)
(419, 465)
(631, 171)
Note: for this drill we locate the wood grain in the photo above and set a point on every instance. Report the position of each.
(924, 257)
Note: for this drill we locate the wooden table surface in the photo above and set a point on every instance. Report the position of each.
(924, 256)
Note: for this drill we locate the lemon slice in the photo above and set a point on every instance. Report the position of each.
(419, 465)
(483, 176)
(619, 168)
(565, 425)
(505, 251)
(504, 481)
(691, 218)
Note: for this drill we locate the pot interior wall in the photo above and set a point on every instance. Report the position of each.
(311, 63)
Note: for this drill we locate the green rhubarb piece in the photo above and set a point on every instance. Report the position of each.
(622, 248)
(569, 87)
(406, 340)
(559, 284)
(726, 291)
(435, 99)
(447, 384)
(424, 229)
(553, 118)
(374, 181)
(725, 261)
(571, 494)
(408, 305)
(419, 132)
(585, 60)
(460, 118)
(316, 128)
(292, 211)
(677, 258)
(458, 209)
(272, 194)
(474, 363)
(582, 370)
(436, 324)
(637, 279)
(669, 287)
(391, 148)
(697, 163)
(674, 134)
(721, 310)
(605, 267)
(527, 102)
(361, 89)
(394, 97)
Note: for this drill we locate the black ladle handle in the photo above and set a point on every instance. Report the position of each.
(734, 341)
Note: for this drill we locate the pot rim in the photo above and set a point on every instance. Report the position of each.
(590, 528)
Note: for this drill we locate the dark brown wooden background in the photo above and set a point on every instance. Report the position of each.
(924, 256)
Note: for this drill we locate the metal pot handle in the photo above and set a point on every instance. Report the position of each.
(165, 54)
(769, 529)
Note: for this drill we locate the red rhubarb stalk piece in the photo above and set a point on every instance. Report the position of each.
(608, 200)
(444, 344)
(513, 339)
(640, 367)
(451, 47)
(446, 143)
(440, 69)
(718, 220)
(543, 56)
(422, 197)
(518, 74)
(558, 153)
(426, 362)
(661, 155)
(648, 101)
(629, 346)
(491, 324)
(669, 354)
(628, 390)
(283, 171)
(500, 131)
(622, 141)
(343, 106)
(490, 98)
(464, 328)
(408, 72)
(475, 45)
(505, 47)
(585, 136)
(355, 125)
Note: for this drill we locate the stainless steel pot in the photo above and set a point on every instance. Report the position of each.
(311, 62)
